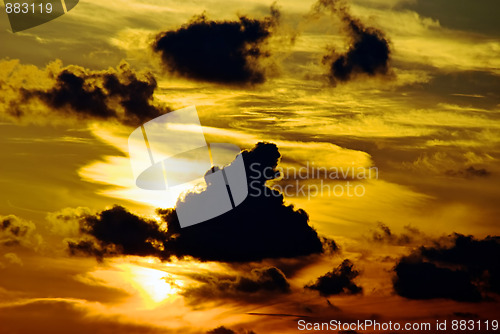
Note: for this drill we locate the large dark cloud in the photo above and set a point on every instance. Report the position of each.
(257, 285)
(261, 227)
(461, 269)
(338, 281)
(218, 51)
(368, 51)
(120, 94)
(424, 280)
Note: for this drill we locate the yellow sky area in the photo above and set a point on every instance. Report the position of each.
(382, 197)
(422, 40)
(415, 39)
(152, 301)
(145, 292)
(115, 171)
(147, 286)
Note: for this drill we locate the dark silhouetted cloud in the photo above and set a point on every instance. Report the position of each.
(221, 330)
(461, 269)
(384, 234)
(120, 94)
(424, 280)
(117, 231)
(89, 247)
(15, 231)
(224, 330)
(469, 172)
(257, 285)
(261, 227)
(218, 51)
(368, 51)
(338, 281)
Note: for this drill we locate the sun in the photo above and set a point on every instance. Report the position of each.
(154, 285)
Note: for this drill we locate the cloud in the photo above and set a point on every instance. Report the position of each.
(57, 277)
(368, 51)
(65, 222)
(224, 330)
(424, 280)
(462, 16)
(426, 42)
(114, 94)
(261, 227)
(338, 281)
(13, 259)
(469, 172)
(459, 267)
(226, 52)
(221, 330)
(257, 285)
(117, 231)
(384, 234)
(453, 163)
(15, 231)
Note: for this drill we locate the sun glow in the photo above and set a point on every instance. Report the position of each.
(155, 286)
(146, 285)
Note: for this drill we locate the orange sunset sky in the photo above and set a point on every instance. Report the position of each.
(406, 91)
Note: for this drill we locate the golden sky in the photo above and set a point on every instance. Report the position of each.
(406, 88)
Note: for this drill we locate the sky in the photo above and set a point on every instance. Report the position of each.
(397, 100)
